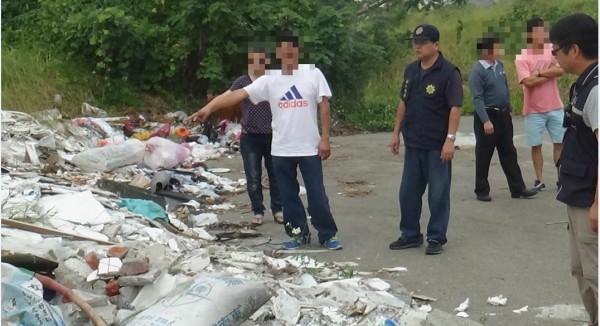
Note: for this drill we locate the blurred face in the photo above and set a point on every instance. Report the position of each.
(496, 52)
(539, 35)
(288, 54)
(257, 63)
(425, 49)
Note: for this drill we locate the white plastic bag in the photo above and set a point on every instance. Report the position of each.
(163, 153)
(213, 299)
(104, 159)
(22, 300)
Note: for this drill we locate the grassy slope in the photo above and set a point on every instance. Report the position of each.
(462, 52)
(30, 78)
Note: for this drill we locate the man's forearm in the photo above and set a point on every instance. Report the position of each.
(399, 116)
(227, 99)
(533, 81)
(555, 71)
(325, 113)
(454, 120)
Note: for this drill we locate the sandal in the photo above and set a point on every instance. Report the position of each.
(278, 217)
(257, 220)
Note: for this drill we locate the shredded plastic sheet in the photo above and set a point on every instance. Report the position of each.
(463, 306)
(497, 300)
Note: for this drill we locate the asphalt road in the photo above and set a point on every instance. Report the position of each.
(514, 247)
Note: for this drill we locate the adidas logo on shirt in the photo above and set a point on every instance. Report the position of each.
(292, 99)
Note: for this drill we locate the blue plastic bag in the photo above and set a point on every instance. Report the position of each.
(146, 208)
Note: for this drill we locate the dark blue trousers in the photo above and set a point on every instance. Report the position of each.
(424, 168)
(286, 169)
(255, 148)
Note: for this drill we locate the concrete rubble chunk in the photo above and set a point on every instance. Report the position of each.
(142, 279)
(413, 318)
(377, 284)
(128, 294)
(195, 261)
(134, 267)
(73, 273)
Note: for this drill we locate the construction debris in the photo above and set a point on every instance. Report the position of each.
(128, 223)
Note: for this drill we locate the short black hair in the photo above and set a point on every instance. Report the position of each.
(257, 49)
(534, 22)
(487, 42)
(286, 36)
(579, 29)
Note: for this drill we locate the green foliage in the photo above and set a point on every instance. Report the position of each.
(193, 47)
(115, 53)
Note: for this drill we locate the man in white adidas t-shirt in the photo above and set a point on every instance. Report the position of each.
(295, 97)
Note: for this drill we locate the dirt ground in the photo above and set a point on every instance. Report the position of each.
(514, 247)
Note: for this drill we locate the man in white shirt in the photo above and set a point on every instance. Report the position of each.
(295, 97)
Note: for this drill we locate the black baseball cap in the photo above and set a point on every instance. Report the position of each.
(426, 32)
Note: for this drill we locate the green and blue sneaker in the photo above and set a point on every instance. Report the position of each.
(333, 244)
(295, 242)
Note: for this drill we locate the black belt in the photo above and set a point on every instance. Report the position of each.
(494, 109)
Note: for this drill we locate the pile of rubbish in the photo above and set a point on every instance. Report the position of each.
(114, 221)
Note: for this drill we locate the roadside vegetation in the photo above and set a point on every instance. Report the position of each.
(168, 55)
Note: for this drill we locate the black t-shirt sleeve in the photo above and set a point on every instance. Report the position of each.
(454, 90)
(241, 82)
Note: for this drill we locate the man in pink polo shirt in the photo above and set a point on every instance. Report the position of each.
(538, 71)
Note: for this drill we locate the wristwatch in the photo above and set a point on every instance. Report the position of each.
(451, 137)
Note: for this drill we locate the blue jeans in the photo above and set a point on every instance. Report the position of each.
(424, 168)
(286, 169)
(254, 148)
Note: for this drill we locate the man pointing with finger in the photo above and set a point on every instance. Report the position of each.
(295, 97)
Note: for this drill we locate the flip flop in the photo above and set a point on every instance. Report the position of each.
(257, 220)
(278, 217)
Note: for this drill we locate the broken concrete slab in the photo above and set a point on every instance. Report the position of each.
(134, 267)
(195, 261)
(142, 279)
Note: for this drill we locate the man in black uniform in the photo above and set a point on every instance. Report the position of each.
(428, 115)
(575, 45)
(493, 121)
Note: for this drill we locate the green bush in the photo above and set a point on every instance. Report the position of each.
(189, 48)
